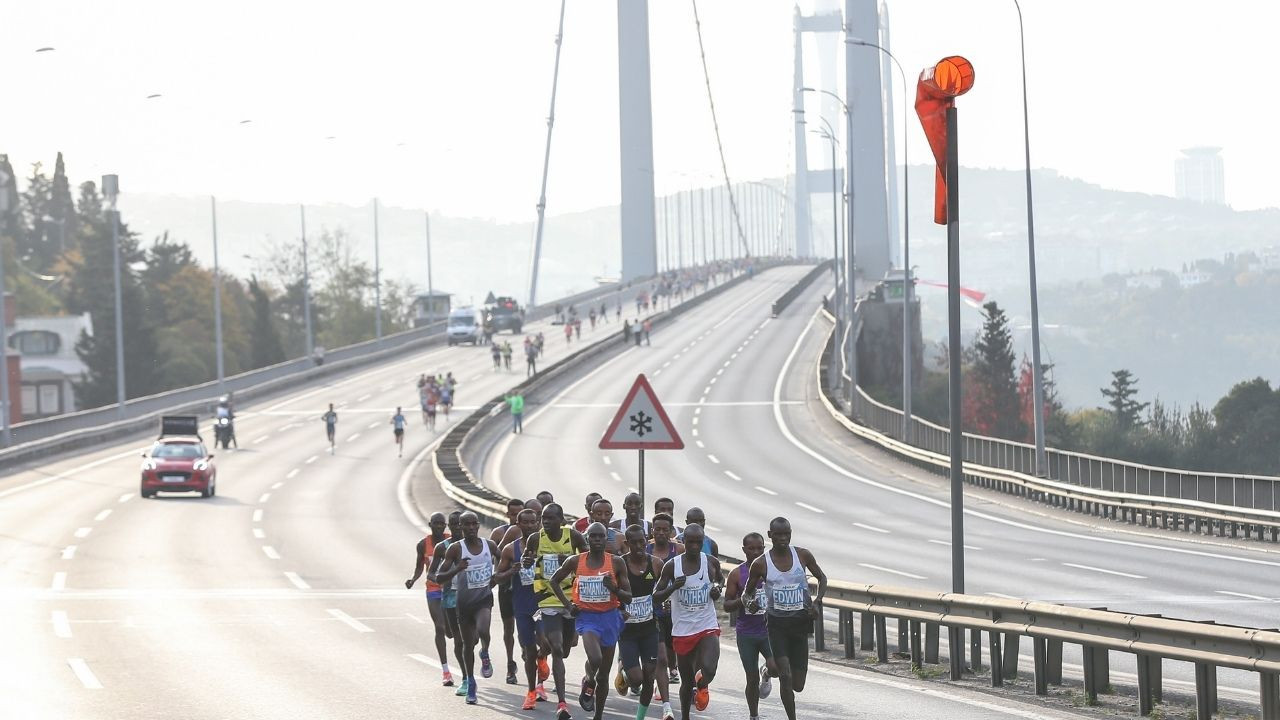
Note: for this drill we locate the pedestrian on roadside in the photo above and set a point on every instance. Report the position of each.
(515, 401)
(626, 331)
(648, 326)
(568, 333)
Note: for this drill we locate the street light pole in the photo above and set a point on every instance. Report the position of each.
(1037, 370)
(431, 294)
(217, 296)
(377, 278)
(111, 192)
(833, 379)
(306, 283)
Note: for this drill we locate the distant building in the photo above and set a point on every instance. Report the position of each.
(1198, 176)
(430, 306)
(50, 366)
(1269, 259)
(1192, 278)
(1144, 281)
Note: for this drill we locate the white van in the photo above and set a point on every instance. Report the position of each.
(466, 324)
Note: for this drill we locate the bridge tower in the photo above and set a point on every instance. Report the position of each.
(864, 91)
(635, 134)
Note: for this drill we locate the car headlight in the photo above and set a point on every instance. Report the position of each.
(148, 464)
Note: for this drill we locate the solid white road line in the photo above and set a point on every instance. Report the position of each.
(61, 626)
(82, 671)
(258, 533)
(1105, 571)
(426, 660)
(872, 528)
(948, 544)
(713, 459)
(297, 580)
(350, 621)
(257, 515)
(83, 532)
(732, 476)
(270, 552)
(891, 571)
(59, 581)
(811, 508)
(292, 474)
(1246, 596)
(68, 552)
(102, 515)
(765, 490)
(264, 497)
(73, 472)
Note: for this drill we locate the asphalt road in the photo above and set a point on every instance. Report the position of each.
(741, 392)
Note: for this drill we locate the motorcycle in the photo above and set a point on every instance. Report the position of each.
(223, 432)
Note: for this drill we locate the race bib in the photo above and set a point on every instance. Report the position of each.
(479, 576)
(762, 601)
(550, 564)
(788, 598)
(695, 597)
(591, 589)
(640, 610)
(526, 576)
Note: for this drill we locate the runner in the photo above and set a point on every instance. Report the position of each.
(633, 509)
(668, 506)
(545, 497)
(791, 610)
(506, 354)
(495, 351)
(446, 401)
(330, 426)
(519, 580)
(638, 644)
(448, 596)
(692, 581)
(695, 516)
(469, 565)
(751, 628)
(505, 608)
(432, 400)
(663, 548)
(600, 585)
(581, 523)
(426, 550)
(568, 332)
(602, 512)
(546, 550)
(397, 422)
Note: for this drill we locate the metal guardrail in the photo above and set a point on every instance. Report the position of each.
(1152, 639)
(1006, 466)
(794, 291)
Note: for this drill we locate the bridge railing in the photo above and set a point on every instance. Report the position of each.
(1161, 497)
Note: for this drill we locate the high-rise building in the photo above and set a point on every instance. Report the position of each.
(1198, 176)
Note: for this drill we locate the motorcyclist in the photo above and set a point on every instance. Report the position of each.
(224, 411)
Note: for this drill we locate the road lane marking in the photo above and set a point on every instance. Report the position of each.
(353, 437)
(68, 552)
(61, 625)
(350, 621)
(297, 580)
(695, 419)
(711, 382)
(615, 476)
(59, 581)
(276, 485)
(258, 533)
(261, 439)
(85, 675)
(264, 497)
(1002, 595)
(373, 425)
(416, 619)
(700, 445)
(726, 363)
(891, 571)
(872, 528)
(607, 461)
(311, 459)
(706, 390)
(811, 508)
(73, 472)
(362, 398)
(257, 515)
(1246, 596)
(1105, 571)
(270, 552)
(84, 532)
(765, 490)
(697, 411)
(948, 544)
(102, 515)
(732, 476)
(713, 459)
(424, 659)
(695, 430)
(125, 497)
(718, 373)
(291, 474)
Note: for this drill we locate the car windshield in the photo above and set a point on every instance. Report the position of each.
(462, 320)
(177, 451)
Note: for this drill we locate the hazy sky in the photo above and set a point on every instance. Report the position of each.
(443, 104)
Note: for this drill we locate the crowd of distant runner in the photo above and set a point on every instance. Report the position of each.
(638, 595)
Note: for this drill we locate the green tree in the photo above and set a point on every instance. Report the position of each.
(992, 405)
(346, 293)
(264, 340)
(397, 305)
(34, 250)
(1126, 411)
(1248, 422)
(92, 291)
(11, 224)
(60, 223)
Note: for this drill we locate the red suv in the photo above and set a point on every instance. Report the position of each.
(178, 464)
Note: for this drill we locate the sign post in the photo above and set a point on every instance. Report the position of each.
(641, 424)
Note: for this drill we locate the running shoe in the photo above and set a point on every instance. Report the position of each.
(668, 714)
(447, 678)
(675, 677)
(486, 667)
(562, 712)
(620, 683)
(701, 695)
(587, 699)
(542, 693)
(544, 670)
(462, 688)
(766, 682)
(511, 674)
(530, 701)
(471, 692)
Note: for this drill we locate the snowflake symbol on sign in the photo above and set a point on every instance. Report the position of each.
(641, 423)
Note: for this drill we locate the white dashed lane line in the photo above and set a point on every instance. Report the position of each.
(607, 460)
(948, 544)
(700, 444)
(297, 581)
(102, 515)
(276, 485)
(872, 528)
(615, 476)
(270, 552)
(373, 425)
(257, 515)
(83, 532)
(732, 476)
(59, 581)
(312, 459)
(810, 508)
(1105, 571)
(291, 474)
(125, 497)
(261, 439)
(891, 571)
(765, 490)
(259, 534)
(68, 552)
(61, 625)
(713, 459)
(349, 621)
(264, 497)
(84, 674)
(353, 437)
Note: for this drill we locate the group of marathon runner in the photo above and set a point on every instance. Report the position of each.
(638, 595)
(435, 394)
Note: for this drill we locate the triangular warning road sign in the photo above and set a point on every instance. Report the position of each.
(641, 423)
